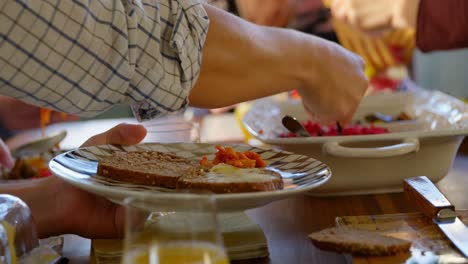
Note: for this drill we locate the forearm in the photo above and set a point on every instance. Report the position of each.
(442, 25)
(243, 61)
(40, 196)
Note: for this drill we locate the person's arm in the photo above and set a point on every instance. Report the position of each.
(442, 25)
(243, 61)
(12, 110)
(148, 54)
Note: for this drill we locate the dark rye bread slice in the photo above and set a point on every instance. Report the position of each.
(219, 182)
(358, 242)
(146, 168)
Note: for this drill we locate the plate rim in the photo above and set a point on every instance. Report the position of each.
(146, 194)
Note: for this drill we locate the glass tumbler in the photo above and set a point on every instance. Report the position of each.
(18, 234)
(166, 232)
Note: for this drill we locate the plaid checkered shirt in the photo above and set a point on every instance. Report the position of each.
(84, 56)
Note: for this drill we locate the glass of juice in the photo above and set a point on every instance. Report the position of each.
(18, 235)
(163, 232)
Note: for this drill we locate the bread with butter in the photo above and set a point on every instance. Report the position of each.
(224, 178)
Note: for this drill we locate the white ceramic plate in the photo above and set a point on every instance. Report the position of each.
(78, 167)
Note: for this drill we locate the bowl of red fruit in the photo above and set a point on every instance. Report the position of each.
(392, 136)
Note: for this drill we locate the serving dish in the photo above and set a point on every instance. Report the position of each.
(31, 158)
(78, 167)
(365, 164)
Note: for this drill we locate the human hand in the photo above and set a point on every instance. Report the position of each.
(376, 16)
(333, 81)
(5, 157)
(83, 213)
(274, 13)
(17, 115)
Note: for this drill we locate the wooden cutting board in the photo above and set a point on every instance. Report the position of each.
(429, 244)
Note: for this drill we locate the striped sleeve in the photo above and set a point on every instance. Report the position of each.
(82, 57)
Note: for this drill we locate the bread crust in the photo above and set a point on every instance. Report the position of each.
(358, 242)
(136, 177)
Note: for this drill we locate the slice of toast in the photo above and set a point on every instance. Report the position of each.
(224, 178)
(147, 168)
(358, 242)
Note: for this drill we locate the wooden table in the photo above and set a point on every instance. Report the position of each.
(287, 223)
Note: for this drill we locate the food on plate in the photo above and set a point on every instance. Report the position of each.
(358, 242)
(233, 172)
(225, 178)
(317, 130)
(27, 168)
(228, 172)
(147, 168)
(32, 167)
(228, 155)
(379, 117)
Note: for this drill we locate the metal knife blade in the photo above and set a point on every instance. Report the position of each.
(436, 206)
(457, 232)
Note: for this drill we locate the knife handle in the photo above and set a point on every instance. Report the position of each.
(426, 196)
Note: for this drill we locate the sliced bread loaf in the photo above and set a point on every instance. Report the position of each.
(147, 168)
(224, 178)
(358, 242)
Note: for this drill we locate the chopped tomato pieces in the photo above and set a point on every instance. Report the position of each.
(229, 156)
(316, 130)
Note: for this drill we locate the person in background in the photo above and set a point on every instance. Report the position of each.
(440, 26)
(52, 201)
(276, 13)
(149, 55)
(308, 16)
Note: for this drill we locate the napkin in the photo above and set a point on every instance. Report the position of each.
(243, 240)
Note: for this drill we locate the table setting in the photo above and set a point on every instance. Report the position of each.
(301, 138)
(274, 226)
(266, 182)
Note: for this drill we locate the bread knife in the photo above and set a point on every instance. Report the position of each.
(434, 205)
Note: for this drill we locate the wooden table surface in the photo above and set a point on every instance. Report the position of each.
(287, 223)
